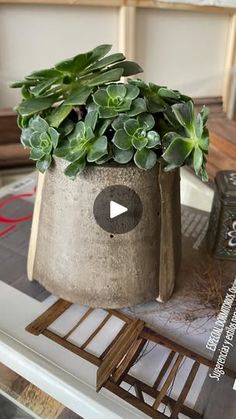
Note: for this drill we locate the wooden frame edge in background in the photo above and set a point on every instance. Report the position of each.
(135, 3)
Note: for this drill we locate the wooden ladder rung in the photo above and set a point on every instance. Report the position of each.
(138, 392)
(164, 369)
(84, 317)
(128, 360)
(188, 383)
(108, 348)
(48, 317)
(167, 400)
(96, 331)
(118, 351)
(72, 348)
(167, 382)
(133, 400)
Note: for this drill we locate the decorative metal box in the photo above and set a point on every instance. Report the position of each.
(222, 224)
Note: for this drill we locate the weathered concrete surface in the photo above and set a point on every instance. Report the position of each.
(78, 261)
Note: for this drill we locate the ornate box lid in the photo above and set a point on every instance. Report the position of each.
(226, 185)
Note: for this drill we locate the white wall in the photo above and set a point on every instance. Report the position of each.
(185, 50)
(36, 36)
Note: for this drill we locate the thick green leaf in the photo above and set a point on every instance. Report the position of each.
(45, 143)
(138, 106)
(101, 97)
(100, 52)
(118, 123)
(107, 112)
(204, 174)
(123, 156)
(81, 62)
(77, 153)
(97, 149)
(197, 160)
(44, 86)
(62, 152)
(104, 159)
(169, 138)
(38, 124)
(153, 139)
(54, 135)
(23, 121)
(75, 168)
(104, 62)
(36, 154)
(129, 68)
(106, 77)
(26, 93)
(25, 137)
(131, 126)
(35, 139)
(22, 83)
(122, 140)
(31, 106)
(154, 102)
(198, 123)
(78, 96)
(132, 91)
(58, 115)
(145, 159)
(91, 119)
(178, 151)
(204, 114)
(184, 114)
(79, 131)
(146, 120)
(116, 90)
(104, 125)
(204, 143)
(139, 142)
(75, 64)
(168, 93)
(46, 73)
(43, 164)
(66, 128)
(124, 106)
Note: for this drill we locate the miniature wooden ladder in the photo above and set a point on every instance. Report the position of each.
(121, 354)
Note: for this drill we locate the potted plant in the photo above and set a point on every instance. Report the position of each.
(87, 131)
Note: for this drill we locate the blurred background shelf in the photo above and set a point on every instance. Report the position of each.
(22, 400)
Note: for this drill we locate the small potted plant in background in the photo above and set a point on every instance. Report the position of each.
(87, 130)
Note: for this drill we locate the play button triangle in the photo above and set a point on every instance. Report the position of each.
(116, 209)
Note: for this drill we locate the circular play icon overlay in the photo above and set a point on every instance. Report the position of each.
(117, 209)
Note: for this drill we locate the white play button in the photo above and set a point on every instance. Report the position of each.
(116, 209)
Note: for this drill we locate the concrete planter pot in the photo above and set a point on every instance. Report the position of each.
(75, 259)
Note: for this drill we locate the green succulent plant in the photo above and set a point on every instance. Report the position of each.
(41, 139)
(118, 98)
(192, 143)
(70, 82)
(83, 145)
(81, 112)
(135, 137)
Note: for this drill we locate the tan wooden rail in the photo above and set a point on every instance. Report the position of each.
(134, 3)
